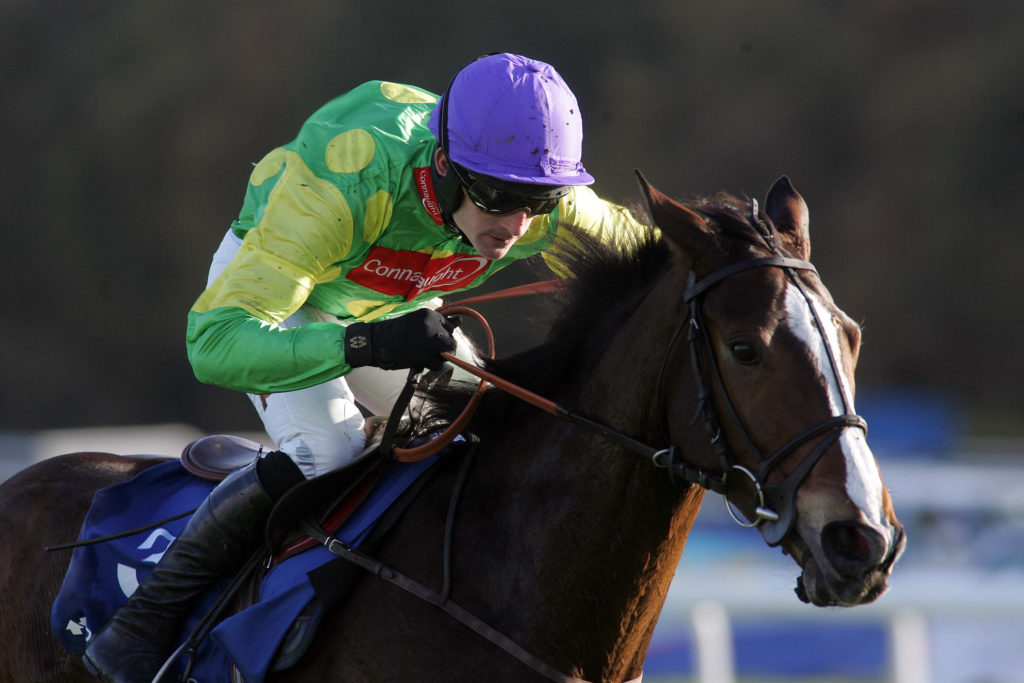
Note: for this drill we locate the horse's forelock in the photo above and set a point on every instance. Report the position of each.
(731, 218)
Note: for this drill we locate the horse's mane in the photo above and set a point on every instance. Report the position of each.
(606, 285)
(608, 282)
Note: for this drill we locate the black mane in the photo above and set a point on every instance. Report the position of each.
(607, 285)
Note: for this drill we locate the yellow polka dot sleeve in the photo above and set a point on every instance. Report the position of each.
(608, 222)
(306, 228)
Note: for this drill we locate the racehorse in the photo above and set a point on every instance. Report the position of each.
(710, 347)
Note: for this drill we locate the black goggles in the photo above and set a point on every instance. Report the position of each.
(490, 199)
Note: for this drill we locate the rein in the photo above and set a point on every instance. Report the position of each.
(658, 455)
(438, 443)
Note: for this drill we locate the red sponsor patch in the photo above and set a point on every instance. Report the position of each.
(410, 273)
(425, 187)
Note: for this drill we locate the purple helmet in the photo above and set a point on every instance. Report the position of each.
(514, 119)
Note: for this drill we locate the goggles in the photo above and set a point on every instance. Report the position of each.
(493, 200)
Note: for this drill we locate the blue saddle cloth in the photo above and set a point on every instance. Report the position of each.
(102, 576)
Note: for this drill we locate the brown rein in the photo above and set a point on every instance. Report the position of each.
(441, 441)
(660, 457)
(455, 428)
(543, 287)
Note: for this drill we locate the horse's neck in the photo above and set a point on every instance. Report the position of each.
(596, 532)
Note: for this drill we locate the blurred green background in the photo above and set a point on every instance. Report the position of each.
(129, 128)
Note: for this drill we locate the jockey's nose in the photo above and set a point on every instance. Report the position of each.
(516, 222)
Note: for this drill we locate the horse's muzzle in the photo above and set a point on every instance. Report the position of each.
(851, 565)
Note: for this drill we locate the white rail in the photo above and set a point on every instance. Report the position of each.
(706, 600)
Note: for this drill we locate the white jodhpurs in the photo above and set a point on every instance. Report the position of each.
(321, 428)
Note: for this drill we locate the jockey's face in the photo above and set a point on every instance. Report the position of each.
(490, 234)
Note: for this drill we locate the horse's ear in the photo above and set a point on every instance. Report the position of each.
(683, 227)
(789, 213)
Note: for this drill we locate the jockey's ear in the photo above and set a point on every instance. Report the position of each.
(789, 214)
(441, 162)
(685, 229)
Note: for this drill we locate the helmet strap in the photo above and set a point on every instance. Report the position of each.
(447, 188)
(448, 191)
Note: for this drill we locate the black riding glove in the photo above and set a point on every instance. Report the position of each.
(414, 340)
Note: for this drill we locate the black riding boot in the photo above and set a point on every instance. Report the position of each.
(222, 534)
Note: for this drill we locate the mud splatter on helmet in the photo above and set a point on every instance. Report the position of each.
(514, 119)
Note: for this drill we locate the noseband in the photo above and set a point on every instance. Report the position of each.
(775, 502)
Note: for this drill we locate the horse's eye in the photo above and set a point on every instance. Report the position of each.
(744, 353)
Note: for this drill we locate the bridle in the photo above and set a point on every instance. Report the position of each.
(774, 502)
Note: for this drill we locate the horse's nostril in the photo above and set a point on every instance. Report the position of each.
(852, 548)
(851, 543)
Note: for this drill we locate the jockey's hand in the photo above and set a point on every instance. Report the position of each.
(414, 340)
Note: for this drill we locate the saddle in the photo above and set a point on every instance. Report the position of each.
(215, 457)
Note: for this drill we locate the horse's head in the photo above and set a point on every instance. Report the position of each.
(774, 360)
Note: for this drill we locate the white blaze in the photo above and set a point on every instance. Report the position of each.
(863, 484)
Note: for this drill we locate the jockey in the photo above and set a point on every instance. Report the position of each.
(325, 287)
